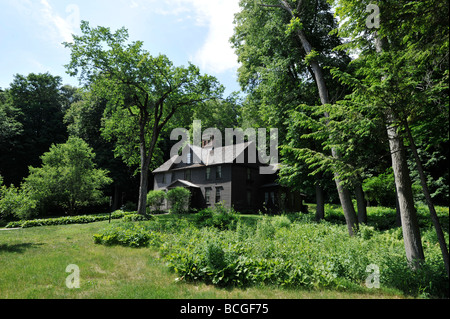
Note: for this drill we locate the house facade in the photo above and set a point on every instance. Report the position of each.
(224, 175)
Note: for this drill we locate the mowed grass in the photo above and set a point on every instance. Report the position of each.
(33, 265)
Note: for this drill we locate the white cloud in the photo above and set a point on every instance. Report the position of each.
(61, 28)
(216, 55)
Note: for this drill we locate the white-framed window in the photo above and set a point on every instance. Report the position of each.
(218, 194)
(208, 196)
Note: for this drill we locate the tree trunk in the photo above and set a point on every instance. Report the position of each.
(143, 182)
(433, 214)
(408, 215)
(347, 207)
(320, 204)
(361, 204)
(344, 194)
(116, 198)
(398, 218)
(143, 189)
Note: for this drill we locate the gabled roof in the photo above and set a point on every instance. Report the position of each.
(184, 183)
(208, 156)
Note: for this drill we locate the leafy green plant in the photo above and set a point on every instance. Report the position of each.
(136, 218)
(17, 203)
(179, 200)
(218, 216)
(155, 199)
(133, 235)
(68, 177)
(82, 219)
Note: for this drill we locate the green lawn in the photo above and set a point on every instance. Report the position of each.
(33, 263)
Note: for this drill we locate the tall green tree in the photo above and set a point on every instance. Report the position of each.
(283, 47)
(402, 72)
(149, 89)
(37, 99)
(68, 177)
(85, 118)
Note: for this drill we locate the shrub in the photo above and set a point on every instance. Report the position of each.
(17, 203)
(68, 177)
(136, 218)
(155, 199)
(129, 235)
(82, 219)
(123, 234)
(219, 216)
(179, 200)
(215, 256)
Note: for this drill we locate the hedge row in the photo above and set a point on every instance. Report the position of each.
(82, 219)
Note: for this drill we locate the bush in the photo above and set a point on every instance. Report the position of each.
(379, 190)
(131, 235)
(219, 216)
(155, 200)
(17, 203)
(179, 200)
(280, 252)
(136, 218)
(68, 177)
(82, 219)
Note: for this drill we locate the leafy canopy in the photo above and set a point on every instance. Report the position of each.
(68, 177)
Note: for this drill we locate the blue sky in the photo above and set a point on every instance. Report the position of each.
(197, 31)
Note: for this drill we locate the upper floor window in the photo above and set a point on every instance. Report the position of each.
(219, 172)
(187, 175)
(208, 173)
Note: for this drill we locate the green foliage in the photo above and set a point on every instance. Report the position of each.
(135, 218)
(68, 177)
(218, 216)
(81, 219)
(380, 190)
(17, 203)
(155, 199)
(178, 200)
(143, 92)
(36, 102)
(277, 251)
(294, 26)
(131, 235)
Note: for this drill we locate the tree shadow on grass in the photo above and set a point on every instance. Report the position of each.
(18, 248)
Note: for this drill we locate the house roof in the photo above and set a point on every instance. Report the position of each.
(208, 156)
(183, 182)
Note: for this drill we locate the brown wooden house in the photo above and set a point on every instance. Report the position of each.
(229, 179)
